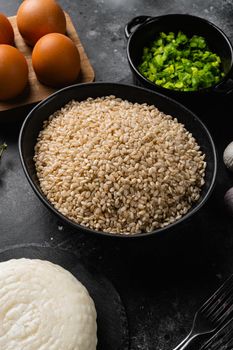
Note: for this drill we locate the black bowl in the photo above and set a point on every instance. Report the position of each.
(34, 123)
(147, 28)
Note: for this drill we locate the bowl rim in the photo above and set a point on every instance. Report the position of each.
(49, 205)
(180, 92)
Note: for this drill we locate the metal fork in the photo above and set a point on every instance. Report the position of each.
(212, 315)
(222, 340)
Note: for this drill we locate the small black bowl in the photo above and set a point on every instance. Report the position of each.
(147, 28)
(33, 124)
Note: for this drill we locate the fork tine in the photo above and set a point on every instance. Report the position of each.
(224, 317)
(221, 299)
(224, 306)
(213, 300)
(220, 307)
(215, 296)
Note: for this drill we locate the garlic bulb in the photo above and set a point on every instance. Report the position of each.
(228, 156)
(228, 199)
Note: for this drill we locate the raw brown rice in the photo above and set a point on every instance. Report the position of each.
(117, 166)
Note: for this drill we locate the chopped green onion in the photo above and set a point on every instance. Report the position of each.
(177, 62)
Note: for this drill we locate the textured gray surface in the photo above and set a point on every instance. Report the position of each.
(161, 283)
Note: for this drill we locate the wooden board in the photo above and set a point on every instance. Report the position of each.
(36, 91)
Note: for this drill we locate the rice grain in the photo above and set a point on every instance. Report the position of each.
(117, 166)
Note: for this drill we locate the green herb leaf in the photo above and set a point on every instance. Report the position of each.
(2, 149)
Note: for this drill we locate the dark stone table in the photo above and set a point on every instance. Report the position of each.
(161, 282)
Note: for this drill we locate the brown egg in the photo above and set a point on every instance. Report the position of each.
(13, 72)
(36, 18)
(6, 31)
(56, 60)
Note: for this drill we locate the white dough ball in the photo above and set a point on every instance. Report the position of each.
(44, 307)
